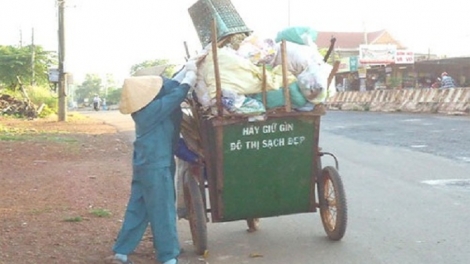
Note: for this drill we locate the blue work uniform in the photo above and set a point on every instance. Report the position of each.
(152, 198)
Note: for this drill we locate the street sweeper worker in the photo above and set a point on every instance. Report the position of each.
(154, 104)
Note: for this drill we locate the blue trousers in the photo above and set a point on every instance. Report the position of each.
(152, 200)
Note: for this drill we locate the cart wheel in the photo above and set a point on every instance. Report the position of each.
(253, 224)
(197, 214)
(333, 208)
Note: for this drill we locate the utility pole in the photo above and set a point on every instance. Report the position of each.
(62, 75)
(288, 13)
(366, 40)
(33, 50)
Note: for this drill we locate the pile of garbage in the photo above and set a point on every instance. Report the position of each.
(242, 57)
(12, 106)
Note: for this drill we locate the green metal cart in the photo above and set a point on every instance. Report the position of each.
(263, 169)
(256, 169)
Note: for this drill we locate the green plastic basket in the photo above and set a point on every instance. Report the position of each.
(229, 22)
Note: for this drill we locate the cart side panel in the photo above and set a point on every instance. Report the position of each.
(267, 168)
(211, 152)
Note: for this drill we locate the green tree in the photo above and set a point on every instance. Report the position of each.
(91, 86)
(150, 63)
(111, 92)
(110, 83)
(29, 63)
(114, 96)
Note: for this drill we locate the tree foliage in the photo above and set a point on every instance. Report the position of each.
(112, 93)
(91, 86)
(114, 96)
(107, 88)
(150, 63)
(29, 63)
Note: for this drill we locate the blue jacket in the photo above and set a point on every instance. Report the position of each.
(157, 128)
(447, 82)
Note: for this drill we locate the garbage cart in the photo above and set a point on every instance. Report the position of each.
(258, 166)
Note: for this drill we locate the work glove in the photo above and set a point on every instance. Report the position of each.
(189, 66)
(190, 78)
(179, 76)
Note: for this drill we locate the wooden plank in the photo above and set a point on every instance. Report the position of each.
(263, 87)
(285, 81)
(333, 72)
(216, 70)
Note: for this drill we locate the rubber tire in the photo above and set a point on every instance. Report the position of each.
(196, 213)
(334, 228)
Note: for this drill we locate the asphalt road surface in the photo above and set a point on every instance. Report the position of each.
(446, 136)
(407, 183)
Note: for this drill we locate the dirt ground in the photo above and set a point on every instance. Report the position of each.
(63, 191)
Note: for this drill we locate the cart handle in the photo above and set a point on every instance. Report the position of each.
(321, 154)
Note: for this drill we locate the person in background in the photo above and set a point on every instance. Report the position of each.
(436, 83)
(105, 107)
(96, 102)
(339, 87)
(154, 104)
(447, 81)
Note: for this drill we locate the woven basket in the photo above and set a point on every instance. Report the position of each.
(229, 22)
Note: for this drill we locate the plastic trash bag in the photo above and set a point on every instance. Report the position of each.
(257, 49)
(299, 57)
(313, 82)
(299, 35)
(231, 100)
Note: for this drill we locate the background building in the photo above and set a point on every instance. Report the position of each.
(376, 60)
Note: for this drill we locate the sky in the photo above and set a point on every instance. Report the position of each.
(109, 36)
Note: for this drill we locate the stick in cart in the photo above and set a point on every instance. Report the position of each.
(216, 69)
(330, 49)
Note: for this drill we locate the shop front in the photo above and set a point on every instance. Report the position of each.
(347, 78)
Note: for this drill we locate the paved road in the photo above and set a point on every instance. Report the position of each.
(446, 136)
(407, 183)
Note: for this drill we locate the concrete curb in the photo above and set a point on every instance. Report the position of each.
(455, 101)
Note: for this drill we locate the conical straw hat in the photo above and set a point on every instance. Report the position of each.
(139, 91)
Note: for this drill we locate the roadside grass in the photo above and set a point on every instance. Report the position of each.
(75, 116)
(74, 219)
(7, 134)
(100, 212)
(71, 117)
(13, 133)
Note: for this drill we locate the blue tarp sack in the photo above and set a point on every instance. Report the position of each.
(299, 35)
(184, 153)
(275, 98)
